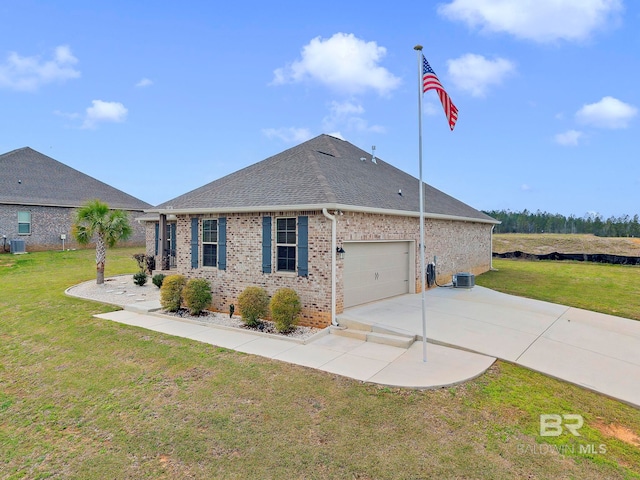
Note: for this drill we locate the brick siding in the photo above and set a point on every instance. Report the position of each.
(459, 247)
(48, 223)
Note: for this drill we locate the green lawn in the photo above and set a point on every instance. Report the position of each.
(84, 398)
(611, 289)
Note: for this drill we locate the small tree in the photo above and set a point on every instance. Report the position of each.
(197, 295)
(171, 292)
(254, 304)
(285, 308)
(96, 220)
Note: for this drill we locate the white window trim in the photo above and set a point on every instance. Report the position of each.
(22, 223)
(203, 243)
(277, 244)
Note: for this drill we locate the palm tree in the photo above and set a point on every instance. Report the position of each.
(95, 219)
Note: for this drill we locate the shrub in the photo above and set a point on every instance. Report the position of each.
(146, 263)
(197, 295)
(140, 278)
(171, 292)
(140, 259)
(254, 304)
(285, 308)
(151, 264)
(157, 279)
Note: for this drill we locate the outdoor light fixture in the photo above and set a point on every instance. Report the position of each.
(340, 251)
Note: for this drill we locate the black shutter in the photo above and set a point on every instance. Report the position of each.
(172, 246)
(222, 243)
(266, 244)
(194, 243)
(303, 246)
(157, 231)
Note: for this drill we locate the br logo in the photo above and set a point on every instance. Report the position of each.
(552, 425)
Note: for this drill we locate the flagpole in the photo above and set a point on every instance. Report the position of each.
(423, 279)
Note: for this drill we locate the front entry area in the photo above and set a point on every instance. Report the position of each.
(375, 270)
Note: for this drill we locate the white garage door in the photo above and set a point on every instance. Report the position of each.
(375, 270)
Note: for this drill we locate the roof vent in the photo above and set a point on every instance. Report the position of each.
(325, 153)
(373, 154)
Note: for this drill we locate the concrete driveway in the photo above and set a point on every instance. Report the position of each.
(599, 352)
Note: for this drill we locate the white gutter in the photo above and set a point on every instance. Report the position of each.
(323, 207)
(334, 243)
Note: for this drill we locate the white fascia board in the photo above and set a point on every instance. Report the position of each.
(319, 207)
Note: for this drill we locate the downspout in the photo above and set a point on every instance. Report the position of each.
(491, 248)
(333, 264)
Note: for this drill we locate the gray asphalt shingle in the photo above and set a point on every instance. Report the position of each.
(322, 171)
(29, 177)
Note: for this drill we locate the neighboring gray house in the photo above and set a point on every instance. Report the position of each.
(323, 218)
(39, 196)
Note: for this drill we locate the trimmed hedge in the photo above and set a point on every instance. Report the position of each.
(285, 307)
(254, 305)
(171, 292)
(197, 295)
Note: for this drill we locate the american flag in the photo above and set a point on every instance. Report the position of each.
(430, 82)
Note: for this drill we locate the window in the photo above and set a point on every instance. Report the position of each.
(24, 223)
(286, 244)
(209, 243)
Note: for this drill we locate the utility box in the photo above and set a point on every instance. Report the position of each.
(464, 280)
(17, 246)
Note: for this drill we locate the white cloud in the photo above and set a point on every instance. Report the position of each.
(30, 73)
(570, 138)
(288, 135)
(607, 113)
(348, 115)
(101, 111)
(537, 20)
(431, 109)
(475, 73)
(525, 188)
(145, 82)
(343, 62)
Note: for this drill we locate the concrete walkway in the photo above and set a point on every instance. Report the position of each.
(597, 351)
(357, 359)
(467, 331)
(348, 357)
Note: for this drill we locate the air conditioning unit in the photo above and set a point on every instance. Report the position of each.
(17, 246)
(464, 280)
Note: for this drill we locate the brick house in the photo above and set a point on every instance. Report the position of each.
(39, 196)
(324, 218)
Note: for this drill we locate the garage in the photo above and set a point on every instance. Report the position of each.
(375, 270)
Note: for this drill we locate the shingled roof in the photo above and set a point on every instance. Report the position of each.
(324, 172)
(31, 178)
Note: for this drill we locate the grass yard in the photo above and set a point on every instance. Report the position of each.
(84, 398)
(611, 289)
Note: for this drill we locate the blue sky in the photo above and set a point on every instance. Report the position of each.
(158, 98)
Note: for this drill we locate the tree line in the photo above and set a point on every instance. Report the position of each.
(545, 222)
